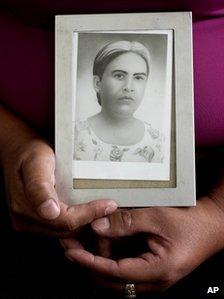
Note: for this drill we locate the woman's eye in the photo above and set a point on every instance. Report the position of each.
(119, 76)
(140, 78)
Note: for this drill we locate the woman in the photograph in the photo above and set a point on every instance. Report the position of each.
(120, 74)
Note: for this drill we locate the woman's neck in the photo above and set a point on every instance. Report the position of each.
(114, 130)
(116, 120)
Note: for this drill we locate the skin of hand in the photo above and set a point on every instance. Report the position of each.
(178, 240)
(28, 165)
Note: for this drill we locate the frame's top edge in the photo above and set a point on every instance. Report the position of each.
(127, 14)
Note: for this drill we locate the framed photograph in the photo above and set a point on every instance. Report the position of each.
(124, 109)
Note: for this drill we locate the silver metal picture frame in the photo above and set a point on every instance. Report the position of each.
(124, 118)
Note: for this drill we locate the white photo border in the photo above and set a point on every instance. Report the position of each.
(183, 194)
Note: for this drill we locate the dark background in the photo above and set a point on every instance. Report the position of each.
(35, 267)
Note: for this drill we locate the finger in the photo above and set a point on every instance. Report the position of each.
(22, 212)
(38, 178)
(146, 267)
(77, 216)
(119, 287)
(127, 222)
(70, 243)
(104, 247)
(107, 282)
(71, 219)
(29, 224)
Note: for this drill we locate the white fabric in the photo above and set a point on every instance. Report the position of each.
(89, 147)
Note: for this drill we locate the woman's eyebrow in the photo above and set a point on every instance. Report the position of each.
(140, 74)
(120, 71)
(124, 72)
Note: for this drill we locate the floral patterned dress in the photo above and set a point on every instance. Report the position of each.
(89, 147)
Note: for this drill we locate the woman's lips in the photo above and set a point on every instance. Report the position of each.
(125, 98)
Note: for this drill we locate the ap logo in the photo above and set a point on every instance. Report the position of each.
(212, 290)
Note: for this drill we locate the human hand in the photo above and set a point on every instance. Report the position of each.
(33, 202)
(177, 239)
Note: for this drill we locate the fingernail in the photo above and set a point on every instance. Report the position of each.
(49, 209)
(101, 225)
(111, 208)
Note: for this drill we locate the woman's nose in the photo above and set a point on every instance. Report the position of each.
(128, 85)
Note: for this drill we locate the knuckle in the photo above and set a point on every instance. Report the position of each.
(37, 148)
(126, 219)
(71, 223)
(30, 159)
(70, 226)
(38, 186)
(94, 208)
(37, 183)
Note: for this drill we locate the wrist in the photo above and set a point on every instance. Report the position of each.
(211, 210)
(14, 134)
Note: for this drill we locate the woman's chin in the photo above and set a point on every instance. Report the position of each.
(124, 113)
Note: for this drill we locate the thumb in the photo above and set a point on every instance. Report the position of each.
(38, 180)
(125, 223)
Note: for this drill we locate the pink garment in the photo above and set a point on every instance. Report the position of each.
(209, 81)
(27, 58)
(27, 71)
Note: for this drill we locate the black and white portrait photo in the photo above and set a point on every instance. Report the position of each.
(123, 98)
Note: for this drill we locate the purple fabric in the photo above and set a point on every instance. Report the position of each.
(209, 81)
(27, 71)
(27, 57)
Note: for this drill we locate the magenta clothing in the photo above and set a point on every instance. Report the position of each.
(27, 57)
